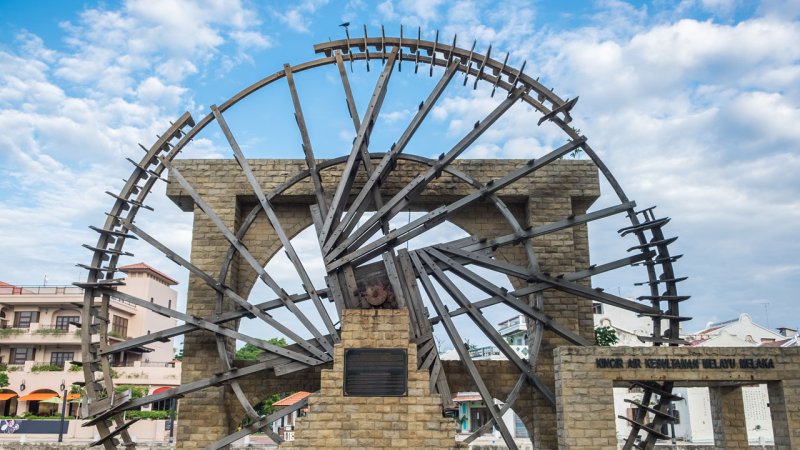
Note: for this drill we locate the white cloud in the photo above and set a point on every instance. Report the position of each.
(298, 16)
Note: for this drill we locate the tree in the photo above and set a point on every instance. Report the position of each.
(605, 336)
(3, 379)
(250, 351)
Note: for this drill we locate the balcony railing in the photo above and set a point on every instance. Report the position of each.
(50, 291)
(40, 290)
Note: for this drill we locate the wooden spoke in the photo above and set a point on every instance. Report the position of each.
(388, 161)
(251, 260)
(410, 191)
(308, 151)
(228, 293)
(512, 398)
(427, 221)
(366, 159)
(308, 286)
(342, 194)
(486, 327)
(486, 286)
(260, 425)
(542, 230)
(458, 344)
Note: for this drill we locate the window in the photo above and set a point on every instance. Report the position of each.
(24, 319)
(119, 327)
(597, 308)
(61, 358)
(520, 431)
(62, 322)
(20, 355)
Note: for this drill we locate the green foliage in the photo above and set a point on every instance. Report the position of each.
(74, 368)
(3, 379)
(50, 331)
(136, 391)
(250, 351)
(6, 332)
(46, 368)
(605, 336)
(179, 354)
(116, 335)
(147, 415)
(265, 408)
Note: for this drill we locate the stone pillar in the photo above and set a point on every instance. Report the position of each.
(204, 418)
(727, 415)
(585, 407)
(338, 422)
(561, 252)
(785, 414)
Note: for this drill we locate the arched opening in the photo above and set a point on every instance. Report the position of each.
(37, 404)
(306, 245)
(8, 402)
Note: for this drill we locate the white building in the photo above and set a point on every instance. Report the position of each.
(39, 339)
(694, 413)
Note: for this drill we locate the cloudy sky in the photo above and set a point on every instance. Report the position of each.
(693, 104)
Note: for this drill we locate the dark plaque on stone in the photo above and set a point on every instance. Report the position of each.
(376, 372)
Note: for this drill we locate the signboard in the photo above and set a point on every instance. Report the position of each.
(13, 426)
(376, 372)
(685, 363)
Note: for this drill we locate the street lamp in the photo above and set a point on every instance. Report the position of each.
(22, 386)
(63, 389)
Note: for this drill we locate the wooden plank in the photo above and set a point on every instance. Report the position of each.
(512, 398)
(460, 348)
(419, 322)
(308, 285)
(246, 255)
(308, 151)
(260, 425)
(542, 230)
(386, 164)
(486, 327)
(395, 279)
(416, 227)
(200, 323)
(219, 287)
(342, 194)
(488, 287)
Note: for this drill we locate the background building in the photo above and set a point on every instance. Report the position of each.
(39, 337)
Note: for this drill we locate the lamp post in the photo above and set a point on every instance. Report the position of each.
(63, 388)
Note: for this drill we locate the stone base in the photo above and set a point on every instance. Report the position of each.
(335, 421)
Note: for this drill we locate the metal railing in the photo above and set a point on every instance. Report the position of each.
(40, 290)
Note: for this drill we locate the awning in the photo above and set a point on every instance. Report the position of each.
(161, 389)
(7, 395)
(292, 399)
(73, 396)
(36, 396)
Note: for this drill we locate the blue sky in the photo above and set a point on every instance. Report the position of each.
(693, 104)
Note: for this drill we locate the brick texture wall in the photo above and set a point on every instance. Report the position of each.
(550, 194)
(338, 422)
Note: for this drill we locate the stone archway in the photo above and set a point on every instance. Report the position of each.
(565, 188)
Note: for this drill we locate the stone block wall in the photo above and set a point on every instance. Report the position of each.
(584, 390)
(336, 421)
(550, 194)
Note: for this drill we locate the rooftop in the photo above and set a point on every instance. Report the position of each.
(144, 268)
(292, 399)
